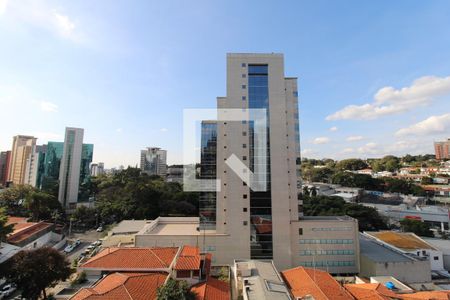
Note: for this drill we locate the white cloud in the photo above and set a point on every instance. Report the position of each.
(348, 150)
(63, 24)
(48, 106)
(119, 130)
(41, 15)
(3, 4)
(369, 148)
(389, 101)
(431, 125)
(47, 136)
(334, 128)
(164, 130)
(354, 138)
(308, 152)
(321, 140)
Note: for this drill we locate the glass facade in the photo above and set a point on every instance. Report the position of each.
(261, 245)
(85, 175)
(52, 162)
(207, 205)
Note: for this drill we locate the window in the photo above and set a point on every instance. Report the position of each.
(436, 257)
(244, 209)
(244, 146)
(244, 157)
(245, 223)
(244, 133)
(244, 75)
(243, 183)
(243, 65)
(244, 86)
(244, 122)
(244, 98)
(300, 231)
(244, 196)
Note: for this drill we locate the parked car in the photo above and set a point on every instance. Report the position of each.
(97, 243)
(100, 229)
(8, 289)
(77, 242)
(69, 248)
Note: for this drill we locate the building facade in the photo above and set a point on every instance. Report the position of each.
(5, 159)
(21, 149)
(97, 169)
(154, 161)
(34, 169)
(74, 167)
(442, 149)
(52, 164)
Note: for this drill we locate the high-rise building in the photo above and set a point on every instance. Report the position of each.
(34, 169)
(21, 149)
(243, 222)
(442, 149)
(97, 169)
(52, 164)
(153, 161)
(74, 168)
(5, 159)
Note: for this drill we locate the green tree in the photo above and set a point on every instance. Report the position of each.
(175, 290)
(35, 270)
(4, 229)
(368, 217)
(417, 227)
(12, 199)
(41, 205)
(352, 164)
(426, 180)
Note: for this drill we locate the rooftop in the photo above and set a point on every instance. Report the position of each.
(212, 289)
(132, 259)
(370, 291)
(263, 280)
(311, 282)
(130, 226)
(174, 226)
(406, 241)
(133, 286)
(376, 252)
(327, 218)
(24, 230)
(189, 259)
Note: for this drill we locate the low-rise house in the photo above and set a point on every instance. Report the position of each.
(212, 289)
(307, 283)
(444, 246)
(378, 259)
(370, 291)
(132, 286)
(31, 235)
(410, 244)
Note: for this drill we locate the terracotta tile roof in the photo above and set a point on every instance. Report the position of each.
(432, 295)
(132, 258)
(23, 231)
(122, 286)
(212, 289)
(319, 284)
(370, 291)
(402, 240)
(189, 259)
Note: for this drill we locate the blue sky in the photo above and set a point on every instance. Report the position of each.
(374, 76)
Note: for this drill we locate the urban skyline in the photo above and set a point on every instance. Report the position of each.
(337, 87)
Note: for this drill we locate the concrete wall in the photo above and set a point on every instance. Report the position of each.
(407, 272)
